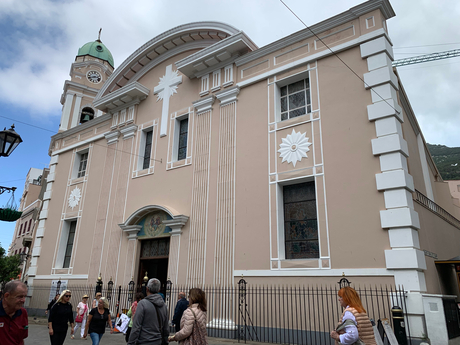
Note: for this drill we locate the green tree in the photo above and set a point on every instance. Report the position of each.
(9, 267)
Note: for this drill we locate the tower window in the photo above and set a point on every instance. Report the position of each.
(87, 114)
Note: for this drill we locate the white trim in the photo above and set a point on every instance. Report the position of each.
(62, 276)
(81, 143)
(312, 58)
(312, 272)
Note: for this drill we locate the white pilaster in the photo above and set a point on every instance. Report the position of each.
(66, 112)
(76, 111)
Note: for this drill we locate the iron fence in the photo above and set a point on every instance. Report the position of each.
(262, 313)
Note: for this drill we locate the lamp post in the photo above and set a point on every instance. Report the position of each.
(9, 140)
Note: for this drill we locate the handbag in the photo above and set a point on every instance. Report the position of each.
(198, 337)
(79, 318)
(342, 326)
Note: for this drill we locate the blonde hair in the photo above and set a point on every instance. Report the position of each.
(105, 301)
(63, 293)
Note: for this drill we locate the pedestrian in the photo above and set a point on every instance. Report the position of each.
(181, 305)
(50, 304)
(59, 317)
(151, 321)
(131, 313)
(80, 319)
(97, 320)
(96, 299)
(193, 322)
(13, 317)
(354, 322)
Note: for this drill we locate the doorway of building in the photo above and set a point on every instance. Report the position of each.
(154, 260)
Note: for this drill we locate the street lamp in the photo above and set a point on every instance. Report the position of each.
(9, 140)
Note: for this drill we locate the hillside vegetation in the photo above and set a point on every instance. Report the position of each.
(447, 161)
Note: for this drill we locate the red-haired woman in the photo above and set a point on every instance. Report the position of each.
(360, 327)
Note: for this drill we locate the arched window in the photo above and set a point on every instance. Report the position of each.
(87, 114)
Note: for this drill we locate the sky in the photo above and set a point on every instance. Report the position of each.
(39, 40)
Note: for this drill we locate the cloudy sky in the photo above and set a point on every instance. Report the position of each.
(39, 40)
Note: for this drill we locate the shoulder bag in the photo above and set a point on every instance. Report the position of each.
(197, 334)
(342, 326)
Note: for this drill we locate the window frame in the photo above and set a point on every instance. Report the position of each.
(177, 123)
(286, 82)
(281, 219)
(63, 249)
(142, 148)
(76, 170)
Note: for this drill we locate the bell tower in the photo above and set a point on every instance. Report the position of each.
(92, 67)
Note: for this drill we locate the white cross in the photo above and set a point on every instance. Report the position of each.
(165, 89)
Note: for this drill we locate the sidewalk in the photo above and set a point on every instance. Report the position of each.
(38, 335)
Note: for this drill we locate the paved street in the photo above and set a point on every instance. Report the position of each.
(38, 335)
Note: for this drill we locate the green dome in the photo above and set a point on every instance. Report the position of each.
(98, 50)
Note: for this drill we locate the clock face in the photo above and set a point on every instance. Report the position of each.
(94, 77)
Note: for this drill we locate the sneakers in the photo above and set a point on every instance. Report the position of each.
(72, 337)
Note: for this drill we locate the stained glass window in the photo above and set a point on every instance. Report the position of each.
(295, 99)
(300, 221)
(158, 248)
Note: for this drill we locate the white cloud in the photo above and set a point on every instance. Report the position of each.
(47, 35)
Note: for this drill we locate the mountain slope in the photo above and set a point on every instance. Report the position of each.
(447, 160)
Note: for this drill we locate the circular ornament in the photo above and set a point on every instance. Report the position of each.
(294, 147)
(74, 197)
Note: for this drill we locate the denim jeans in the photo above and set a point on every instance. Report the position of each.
(96, 337)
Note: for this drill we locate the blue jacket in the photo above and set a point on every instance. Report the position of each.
(181, 305)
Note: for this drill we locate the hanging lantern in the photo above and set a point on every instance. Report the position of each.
(9, 140)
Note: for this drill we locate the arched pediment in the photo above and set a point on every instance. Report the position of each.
(186, 37)
(136, 216)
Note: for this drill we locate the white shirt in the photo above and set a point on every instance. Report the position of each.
(351, 332)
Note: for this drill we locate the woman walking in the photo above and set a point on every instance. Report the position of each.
(96, 299)
(193, 322)
(60, 316)
(50, 304)
(354, 323)
(97, 319)
(80, 319)
(131, 312)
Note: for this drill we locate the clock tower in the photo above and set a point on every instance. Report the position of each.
(92, 67)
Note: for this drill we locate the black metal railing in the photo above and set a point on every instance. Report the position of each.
(263, 313)
(435, 208)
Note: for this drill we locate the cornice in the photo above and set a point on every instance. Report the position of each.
(228, 47)
(84, 64)
(342, 18)
(204, 104)
(124, 95)
(86, 125)
(228, 96)
(112, 137)
(68, 83)
(128, 132)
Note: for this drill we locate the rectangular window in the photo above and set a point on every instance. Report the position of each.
(295, 99)
(69, 245)
(83, 160)
(20, 230)
(183, 133)
(147, 149)
(30, 224)
(300, 221)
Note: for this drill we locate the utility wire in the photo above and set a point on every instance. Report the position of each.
(428, 45)
(337, 56)
(94, 143)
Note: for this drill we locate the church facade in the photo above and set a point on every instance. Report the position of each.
(203, 157)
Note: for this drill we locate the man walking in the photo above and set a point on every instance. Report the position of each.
(181, 305)
(150, 323)
(14, 325)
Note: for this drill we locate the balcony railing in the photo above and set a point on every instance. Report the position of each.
(435, 208)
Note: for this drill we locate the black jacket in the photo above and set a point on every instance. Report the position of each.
(60, 316)
(181, 305)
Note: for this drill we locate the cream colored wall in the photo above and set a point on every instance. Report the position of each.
(352, 198)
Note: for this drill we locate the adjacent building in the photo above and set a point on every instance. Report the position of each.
(203, 157)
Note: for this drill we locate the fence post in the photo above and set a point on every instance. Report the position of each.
(344, 282)
(241, 308)
(169, 285)
(98, 284)
(144, 284)
(118, 300)
(131, 291)
(109, 289)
